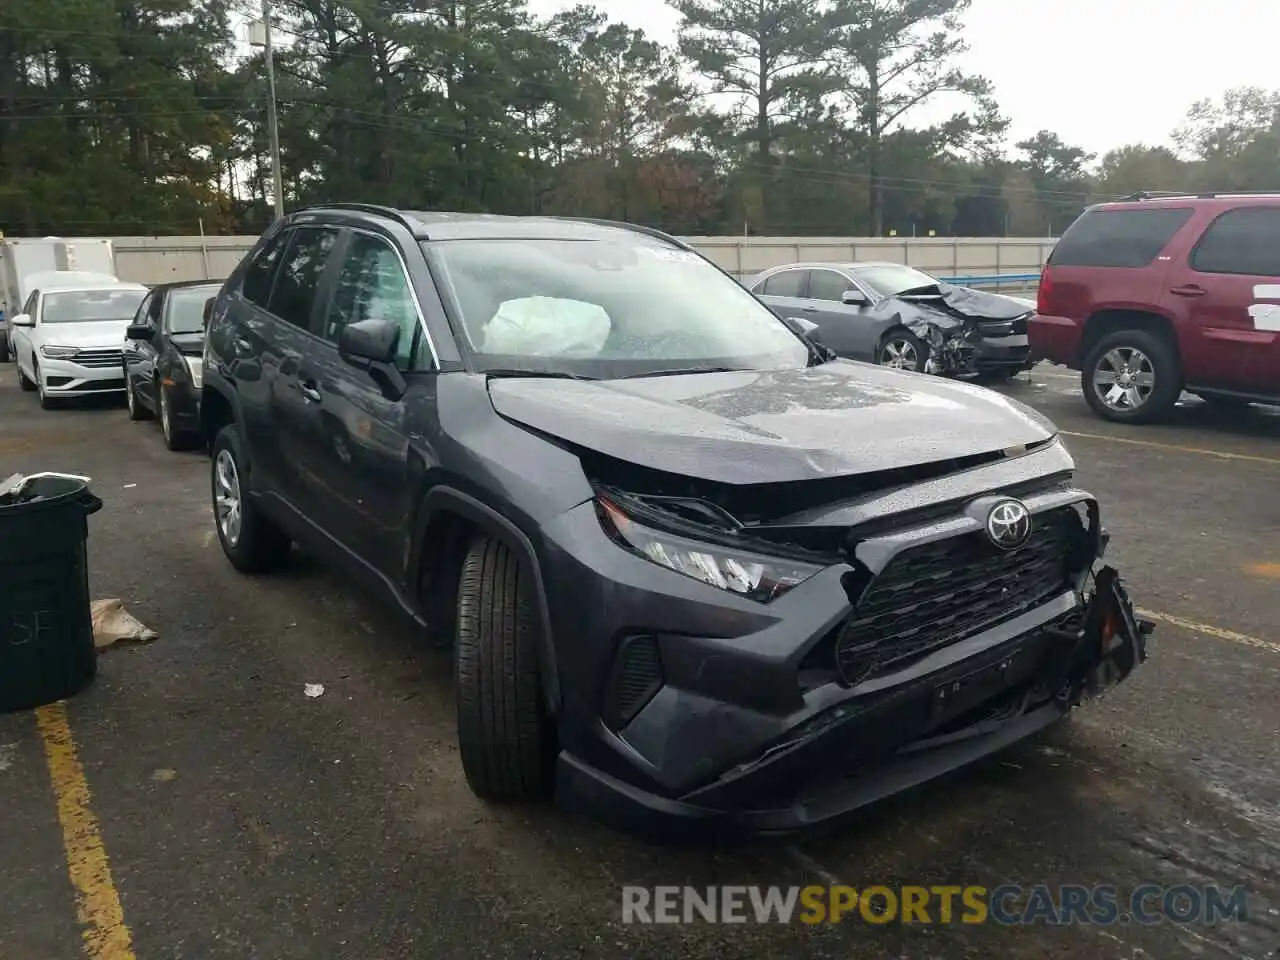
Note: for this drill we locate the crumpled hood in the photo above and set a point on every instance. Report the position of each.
(951, 307)
(838, 419)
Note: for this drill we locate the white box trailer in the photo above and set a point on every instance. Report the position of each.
(21, 258)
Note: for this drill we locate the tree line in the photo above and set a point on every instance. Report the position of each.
(766, 117)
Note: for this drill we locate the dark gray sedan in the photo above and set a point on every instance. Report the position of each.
(898, 316)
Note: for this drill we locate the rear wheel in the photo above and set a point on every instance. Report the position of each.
(503, 733)
(1132, 376)
(251, 542)
(4, 348)
(902, 350)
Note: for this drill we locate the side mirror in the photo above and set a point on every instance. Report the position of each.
(806, 328)
(373, 341)
(22, 320)
(139, 331)
(853, 297)
(371, 345)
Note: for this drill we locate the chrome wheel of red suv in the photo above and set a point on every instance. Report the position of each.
(1131, 376)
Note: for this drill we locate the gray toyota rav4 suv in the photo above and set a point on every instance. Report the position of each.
(699, 576)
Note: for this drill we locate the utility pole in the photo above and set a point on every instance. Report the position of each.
(273, 129)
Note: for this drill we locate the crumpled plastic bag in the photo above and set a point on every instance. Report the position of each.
(113, 624)
(547, 327)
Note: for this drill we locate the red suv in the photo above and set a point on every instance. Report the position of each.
(1151, 296)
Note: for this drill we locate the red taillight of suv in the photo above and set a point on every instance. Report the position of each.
(1045, 292)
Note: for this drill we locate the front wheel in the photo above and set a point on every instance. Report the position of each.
(1132, 376)
(136, 410)
(46, 402)
(902, 350)
(250, 541)
(503, 733)
(175, 438)
(25, 383)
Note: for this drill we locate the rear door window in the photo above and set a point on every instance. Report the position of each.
(260, 274)
(788, 283)
(294, 295)
(1244, 241)
(1118, 238)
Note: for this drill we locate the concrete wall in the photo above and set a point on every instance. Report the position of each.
(157, 259)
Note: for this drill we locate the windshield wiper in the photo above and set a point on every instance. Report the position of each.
(510, 372)
(681, 371)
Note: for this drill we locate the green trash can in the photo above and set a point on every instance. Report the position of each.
(46, 629)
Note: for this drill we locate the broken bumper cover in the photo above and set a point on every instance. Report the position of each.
(850, 756)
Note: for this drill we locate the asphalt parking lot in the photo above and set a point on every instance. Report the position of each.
(195, 803)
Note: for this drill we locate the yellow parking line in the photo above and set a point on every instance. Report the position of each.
(1270, 571)
(1175, 447)
(1218, 633)
(97, 904)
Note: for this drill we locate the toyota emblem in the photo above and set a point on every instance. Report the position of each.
(1009, 524)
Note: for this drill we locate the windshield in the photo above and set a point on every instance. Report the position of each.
(605, 309)
(186, 308)
(891, 279)
(90, 306)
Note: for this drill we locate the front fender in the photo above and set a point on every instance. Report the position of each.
(441, 499)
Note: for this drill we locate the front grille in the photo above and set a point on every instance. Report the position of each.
(99, 358)
(940, 593)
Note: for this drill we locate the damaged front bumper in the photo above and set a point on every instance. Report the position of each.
(856, 753)
(968, 350)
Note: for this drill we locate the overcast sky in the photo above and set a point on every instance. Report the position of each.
(1100, 73)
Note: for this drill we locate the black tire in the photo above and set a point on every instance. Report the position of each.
(258, 546)
(175, 438)
(909, 339)
(4, 348)
(136, 410)
(1165, 367)
(23, 383)
(503, 733)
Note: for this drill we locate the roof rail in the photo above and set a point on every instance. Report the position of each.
(1154, 195)
(633, 227)
(1200, 195)
(391, 213)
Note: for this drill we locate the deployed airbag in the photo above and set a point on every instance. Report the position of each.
(547, 327)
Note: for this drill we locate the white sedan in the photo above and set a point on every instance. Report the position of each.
(68, 341)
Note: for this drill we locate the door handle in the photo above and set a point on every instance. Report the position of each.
(310, 391)
(809, 309)
(1189, 290)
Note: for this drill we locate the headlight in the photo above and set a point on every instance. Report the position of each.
(748, 574)
(195, 367)
(58, 353)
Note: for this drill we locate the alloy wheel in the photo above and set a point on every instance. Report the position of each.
(166, 416)
(226, 497)
(1124, 379)
(900, 354)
